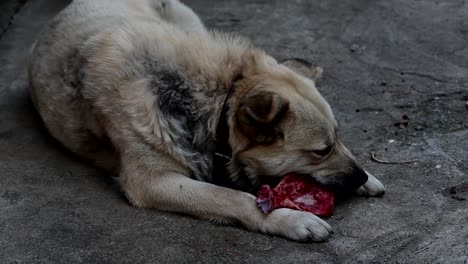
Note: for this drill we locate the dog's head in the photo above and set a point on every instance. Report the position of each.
(280, 124)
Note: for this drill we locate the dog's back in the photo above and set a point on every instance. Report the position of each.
(56, 75)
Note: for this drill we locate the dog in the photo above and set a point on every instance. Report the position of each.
(193, 121)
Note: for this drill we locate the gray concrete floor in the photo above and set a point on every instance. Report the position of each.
(384, 61)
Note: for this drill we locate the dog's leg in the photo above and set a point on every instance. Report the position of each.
(372, 187)
(177, 193)
(180, 15)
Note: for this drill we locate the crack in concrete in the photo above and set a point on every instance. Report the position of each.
(423, 75)
(413, 73)
(461, 48)
(16, 10)
(428, 76)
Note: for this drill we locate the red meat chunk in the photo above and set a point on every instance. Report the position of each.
(299, 193)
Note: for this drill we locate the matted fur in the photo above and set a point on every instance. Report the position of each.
(137, 87)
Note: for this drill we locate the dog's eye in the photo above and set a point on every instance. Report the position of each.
(322, 152)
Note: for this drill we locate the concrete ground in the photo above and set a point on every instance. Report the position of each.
(396, 75)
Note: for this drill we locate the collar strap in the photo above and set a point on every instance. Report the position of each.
(223, 152)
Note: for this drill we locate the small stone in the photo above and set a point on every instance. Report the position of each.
(438, 166)
(391, 141)
(402, 124)
(354, 47)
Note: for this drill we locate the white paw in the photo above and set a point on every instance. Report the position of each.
(296, 225)
(372, 187)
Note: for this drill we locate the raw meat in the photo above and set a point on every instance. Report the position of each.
(299, 193)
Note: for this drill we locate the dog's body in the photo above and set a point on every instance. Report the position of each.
(138, 87)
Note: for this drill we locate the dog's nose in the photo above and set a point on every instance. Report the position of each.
(351, 180)
(357, 178)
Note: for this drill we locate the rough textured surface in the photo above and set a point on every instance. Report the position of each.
(396, 75)
(8, 10)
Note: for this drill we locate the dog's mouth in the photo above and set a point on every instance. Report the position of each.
(269, 180)
(273, 181)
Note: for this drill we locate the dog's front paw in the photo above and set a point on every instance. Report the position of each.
(296, 225)
(372, 187)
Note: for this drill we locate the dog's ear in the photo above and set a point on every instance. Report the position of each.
(304, 67)
(259, 114)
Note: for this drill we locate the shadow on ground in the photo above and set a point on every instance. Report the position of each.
(396, 75)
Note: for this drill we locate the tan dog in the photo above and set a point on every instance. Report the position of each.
(143, 89)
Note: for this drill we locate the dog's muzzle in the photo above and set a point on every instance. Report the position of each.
(348, 181)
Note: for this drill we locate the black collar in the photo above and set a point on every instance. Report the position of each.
(223, 153)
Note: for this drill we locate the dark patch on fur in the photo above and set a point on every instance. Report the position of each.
(74, 73)
(54, 23)
(175, 97)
